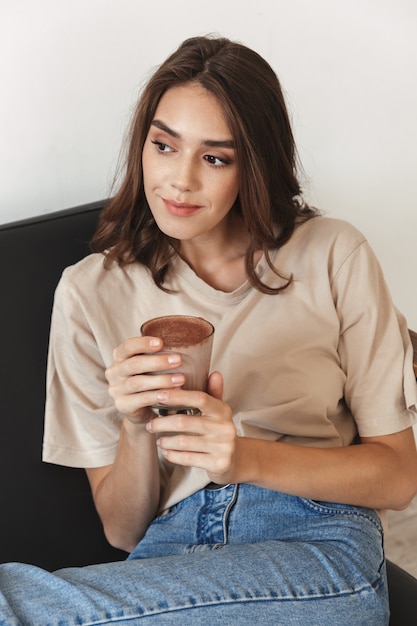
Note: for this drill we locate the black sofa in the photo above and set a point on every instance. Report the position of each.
(47, 515)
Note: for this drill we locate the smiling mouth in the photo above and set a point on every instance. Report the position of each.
(180, 209)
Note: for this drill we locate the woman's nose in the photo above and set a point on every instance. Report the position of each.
(185, 175)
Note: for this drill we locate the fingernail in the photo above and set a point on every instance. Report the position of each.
(155, 343)
(162, 395)
(177, 378)
(174, 358)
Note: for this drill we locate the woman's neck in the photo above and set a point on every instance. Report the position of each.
(220, 261)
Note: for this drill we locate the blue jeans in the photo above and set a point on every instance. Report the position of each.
(236, 555)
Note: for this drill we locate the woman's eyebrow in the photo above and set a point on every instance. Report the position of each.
(211, 143)
(165, 129)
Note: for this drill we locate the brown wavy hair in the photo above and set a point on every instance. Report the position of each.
(269, 197)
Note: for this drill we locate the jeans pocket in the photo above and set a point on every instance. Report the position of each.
(339, 509)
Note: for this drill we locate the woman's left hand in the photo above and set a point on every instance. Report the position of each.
(208, 441)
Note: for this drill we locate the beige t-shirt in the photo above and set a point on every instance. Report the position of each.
(297, 366)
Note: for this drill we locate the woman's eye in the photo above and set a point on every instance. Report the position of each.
(162, 147)
(216, 161)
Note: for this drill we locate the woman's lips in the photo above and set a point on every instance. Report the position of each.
(180, 209)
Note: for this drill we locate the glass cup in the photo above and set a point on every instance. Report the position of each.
(192, 338)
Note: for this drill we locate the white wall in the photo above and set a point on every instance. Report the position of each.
(70, 71)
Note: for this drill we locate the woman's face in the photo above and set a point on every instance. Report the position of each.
(189, 165)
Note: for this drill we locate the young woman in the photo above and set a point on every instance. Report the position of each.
(266, 508)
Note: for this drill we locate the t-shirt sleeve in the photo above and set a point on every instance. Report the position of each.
(375, 349)
(82, 424)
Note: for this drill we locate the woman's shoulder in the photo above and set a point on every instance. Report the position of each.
(91, 273)
(322, 242)
(91, 262)
(86, 272)
(326, 228)
(327, 236)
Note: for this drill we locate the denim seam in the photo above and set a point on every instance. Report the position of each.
(319, 508)
(144, 613)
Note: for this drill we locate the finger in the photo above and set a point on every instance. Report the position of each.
(136, 345)
(130, 407)
(135, 393)
(142, 364)
(178, 423)
(215, 385)
(186, 459)
(195, 451)
(151, 382)
(144, 384)
(183, 443)
(149, 364)
(206, 403)
(217, 434)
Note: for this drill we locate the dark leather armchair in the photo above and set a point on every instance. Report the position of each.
(48, 518)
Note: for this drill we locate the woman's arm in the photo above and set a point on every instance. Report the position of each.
(126, 493)
(380, 472)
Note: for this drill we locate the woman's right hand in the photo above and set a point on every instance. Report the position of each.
(133, 376)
